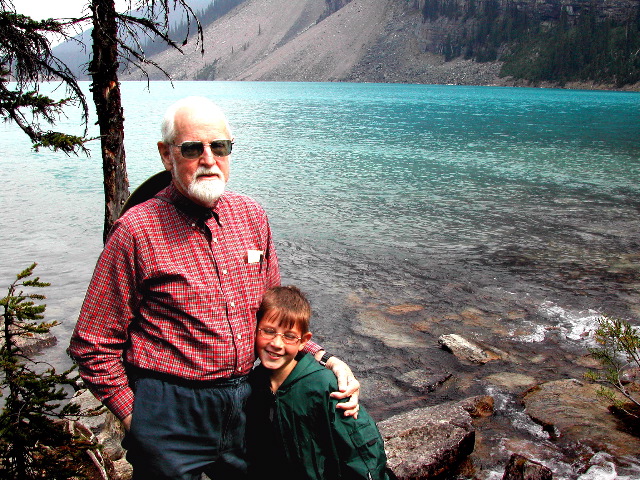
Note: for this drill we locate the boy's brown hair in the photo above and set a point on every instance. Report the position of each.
(288, 305)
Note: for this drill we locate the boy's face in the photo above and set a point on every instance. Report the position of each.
(275, 353)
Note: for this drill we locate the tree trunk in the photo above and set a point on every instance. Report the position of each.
(106, 96)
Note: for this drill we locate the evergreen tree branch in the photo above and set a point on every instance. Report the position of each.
(25, 54)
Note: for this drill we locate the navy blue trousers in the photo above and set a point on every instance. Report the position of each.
(179, 431)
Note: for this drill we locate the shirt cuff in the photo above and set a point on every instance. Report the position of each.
(121, 405)
(312, 348)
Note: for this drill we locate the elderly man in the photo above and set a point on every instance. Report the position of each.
(165, 337)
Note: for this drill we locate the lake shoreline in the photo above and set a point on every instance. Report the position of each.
(486, 74)
(508, 216)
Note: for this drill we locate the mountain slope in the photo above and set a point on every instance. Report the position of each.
(301, 40)
(328, 51)
(409, 41)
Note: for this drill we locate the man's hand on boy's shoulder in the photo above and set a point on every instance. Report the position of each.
(348, 386)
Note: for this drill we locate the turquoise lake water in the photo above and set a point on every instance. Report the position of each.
(510, 215)
(389, 189)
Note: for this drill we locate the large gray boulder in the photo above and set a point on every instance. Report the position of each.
(429, 441)
(572, 412)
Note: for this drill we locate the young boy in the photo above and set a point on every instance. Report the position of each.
(293, 428)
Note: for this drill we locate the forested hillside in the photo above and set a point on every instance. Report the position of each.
(553, 40)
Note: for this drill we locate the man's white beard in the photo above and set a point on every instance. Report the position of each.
(206, 192)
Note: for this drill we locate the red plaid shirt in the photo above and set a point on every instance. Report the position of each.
(175, 291)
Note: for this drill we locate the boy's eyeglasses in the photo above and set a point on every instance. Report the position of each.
(288, 338)
(191, 150)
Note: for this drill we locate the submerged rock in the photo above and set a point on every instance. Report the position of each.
(521, 468)
(513, 382)
(374, 324)
(423, 381)
(404, 309)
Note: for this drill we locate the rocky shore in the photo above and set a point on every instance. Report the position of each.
(450, 440)
(435, 71)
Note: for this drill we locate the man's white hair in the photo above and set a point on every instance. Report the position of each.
(198, 104)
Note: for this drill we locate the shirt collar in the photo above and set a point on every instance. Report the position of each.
(193, 210)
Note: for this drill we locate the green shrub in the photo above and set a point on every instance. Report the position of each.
(34, 439)
(619, 354)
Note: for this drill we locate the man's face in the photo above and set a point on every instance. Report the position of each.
(200, 179)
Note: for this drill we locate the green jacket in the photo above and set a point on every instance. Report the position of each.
(297, 432)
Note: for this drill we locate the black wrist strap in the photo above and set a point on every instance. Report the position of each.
(326, 356)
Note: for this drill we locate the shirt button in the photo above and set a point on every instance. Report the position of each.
(215, 240)
(224, 272)
(239, 336)
(193, 225)
(233, 304)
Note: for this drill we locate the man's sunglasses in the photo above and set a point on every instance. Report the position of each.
(219, 148)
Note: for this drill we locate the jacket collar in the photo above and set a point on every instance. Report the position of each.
(306, 366)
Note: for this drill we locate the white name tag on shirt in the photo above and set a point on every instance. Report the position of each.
(254, 256)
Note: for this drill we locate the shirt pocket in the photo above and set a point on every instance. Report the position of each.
(251, 280)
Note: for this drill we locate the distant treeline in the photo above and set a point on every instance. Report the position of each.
(585, 46)
(180, 31)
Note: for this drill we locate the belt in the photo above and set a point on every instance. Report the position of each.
(136, 373)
